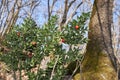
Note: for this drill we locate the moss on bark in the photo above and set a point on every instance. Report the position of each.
(97, 69)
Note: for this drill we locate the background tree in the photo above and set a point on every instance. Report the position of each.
(12, 10)
(66, 11)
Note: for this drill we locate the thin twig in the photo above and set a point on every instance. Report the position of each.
(53, 70)
(74, 71)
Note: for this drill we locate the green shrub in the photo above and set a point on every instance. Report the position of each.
(30, 44)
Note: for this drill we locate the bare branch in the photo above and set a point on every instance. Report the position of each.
(50, 8)
(73, 13)
(65, 12)
(54, 1)
(70, 4)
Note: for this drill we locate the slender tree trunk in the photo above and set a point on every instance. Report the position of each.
(99, 62)
(49, 14)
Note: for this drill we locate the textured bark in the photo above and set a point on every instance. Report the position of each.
(99, 62)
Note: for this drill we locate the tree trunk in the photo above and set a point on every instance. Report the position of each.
(99, 62)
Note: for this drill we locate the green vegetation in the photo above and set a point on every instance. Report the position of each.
(29, 45)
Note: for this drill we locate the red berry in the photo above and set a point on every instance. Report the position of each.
(18, 34)
(33, 43)
(62, 40)
(30, 55)
(76, 27)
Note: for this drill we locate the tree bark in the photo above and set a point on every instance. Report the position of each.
(99, 62)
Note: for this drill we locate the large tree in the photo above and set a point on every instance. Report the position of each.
(99, 62)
